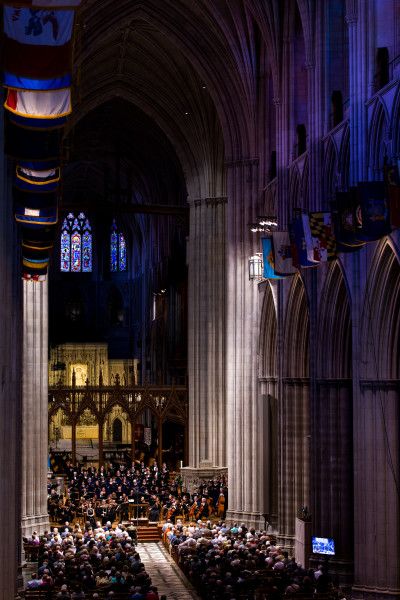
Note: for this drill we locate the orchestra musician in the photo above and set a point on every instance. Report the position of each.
(123, 508)
(221, 505)
(90, 513)
(202, 511)
(194, 508)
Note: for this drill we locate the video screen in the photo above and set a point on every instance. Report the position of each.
(322, 545)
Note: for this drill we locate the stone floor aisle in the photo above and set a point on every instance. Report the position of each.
(164, 573)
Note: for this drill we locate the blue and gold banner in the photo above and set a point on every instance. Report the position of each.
(373, 210)
(268, 259)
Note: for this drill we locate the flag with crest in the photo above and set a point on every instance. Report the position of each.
(268, 259)
(323, 238)
(346, 221)
(373, 211)
(300, 239)
(282, 253)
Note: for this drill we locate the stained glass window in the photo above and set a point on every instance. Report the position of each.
(122, 252)
(65, 247)
(87, 248)
(114, 248)
(76, 244)
(117, 250)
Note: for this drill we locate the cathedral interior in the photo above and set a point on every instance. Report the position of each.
(201, 130)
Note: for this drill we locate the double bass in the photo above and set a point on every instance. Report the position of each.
(192, 510)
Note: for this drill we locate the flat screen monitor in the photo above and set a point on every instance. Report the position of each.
(321, 545)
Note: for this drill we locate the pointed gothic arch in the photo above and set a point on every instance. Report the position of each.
(296, 347)
(331, 410)
(378, 140)
(268, 335)
(334, 327)
(330, 170)
(380, 334)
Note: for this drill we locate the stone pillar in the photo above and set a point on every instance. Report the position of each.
(133, 445)
(294, 453)
(34, 407)
(244, 402)
(361, 77)
(376, 491)
(206, 348)
(160, 443)
(10, 388)
(269, 416)
(101, 429)
(332, 447)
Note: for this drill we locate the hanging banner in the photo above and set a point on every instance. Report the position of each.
(36, 62)
(282, 253)
(32, 144)
(38, 26)
(36, 178)
(31, 217)
(33, 165)
(392, 181)
(374, 211)
(346, 221)
(37, 187)
(323, 238)
(268, 260)
(37, 199)
(11, 80)
(300, 239)
(54, 4)
(39, 109)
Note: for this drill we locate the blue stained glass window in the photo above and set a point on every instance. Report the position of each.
(76, 252)
(76, 244)
(117, 250)
(65, 247)
(122, 252)
(114, 251)
(87, 248)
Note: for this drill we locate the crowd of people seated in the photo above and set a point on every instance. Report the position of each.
(105, 494)
(234, 562)
(93, 562)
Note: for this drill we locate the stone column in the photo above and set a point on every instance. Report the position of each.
(206, 349)
(10, 388)
(332, 490)
(34, 407)
(376, 490)
(133, 445)
(160, 443)
(244, 402)
(269, 493)
(294, 452)
(361, 77)
(101, 429)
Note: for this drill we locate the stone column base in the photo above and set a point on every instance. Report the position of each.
(193, 476)
(341, 569)
(287, 542)
(250, 519)
(360, 592)
(38, 523)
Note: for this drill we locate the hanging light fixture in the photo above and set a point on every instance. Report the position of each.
(264, 224)
(256, 267)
